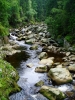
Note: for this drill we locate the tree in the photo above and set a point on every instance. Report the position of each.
(14, 12)
(61, 19)
(30, 12)
(3, 12)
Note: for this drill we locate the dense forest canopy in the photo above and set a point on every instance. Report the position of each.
(58, 14)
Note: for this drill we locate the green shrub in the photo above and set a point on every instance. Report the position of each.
(3, 31)
(68, 38)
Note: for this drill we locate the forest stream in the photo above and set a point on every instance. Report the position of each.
(28, 76)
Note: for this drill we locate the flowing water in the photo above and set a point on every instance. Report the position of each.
(28, 76)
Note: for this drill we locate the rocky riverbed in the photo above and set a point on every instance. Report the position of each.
(49, 66)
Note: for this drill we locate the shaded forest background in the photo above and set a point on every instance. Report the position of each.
(59, 15)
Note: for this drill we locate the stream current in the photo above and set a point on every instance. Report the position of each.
(28, 76)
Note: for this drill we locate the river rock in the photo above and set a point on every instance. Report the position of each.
(56, 64)
(68, 53)
(42, 34)
(44, 40)
(22, 38)
(30, 36)
(39, 97)
(30, 65)
(72, 67)
(30, 41)
(72, 57)
(34, 47)
(40, 83)
(47, 61)
(16, 46)
(17, 30)
(52, 93)
(41, 69)
(59, 66)
(39, 29)
(43, 55)
(70, 94)
(29, 32)
(66, 63)
(74, 76)
(8, 50)
(19, 39)
(52, 48)
(60, 75)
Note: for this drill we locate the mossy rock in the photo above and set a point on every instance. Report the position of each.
(8, 79)
(52, 93)
(34, 47)
(40, 83)
(60, 75)
(42, 69)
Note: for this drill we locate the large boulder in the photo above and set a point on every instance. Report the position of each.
(60, 75)
(52, 93)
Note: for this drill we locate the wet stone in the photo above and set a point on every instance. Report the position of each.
(60, 75)
(40, 83)
(41, 69)
(72, 67)
(69, 94)
(52, 93)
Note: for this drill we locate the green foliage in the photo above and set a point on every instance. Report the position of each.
(68, 38)
(3, 31)
(3, 12)
(30, 12)
(58, 14)
(14, 13)
(8, 79)
(61, 19)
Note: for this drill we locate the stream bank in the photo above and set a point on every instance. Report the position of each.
(38, 48)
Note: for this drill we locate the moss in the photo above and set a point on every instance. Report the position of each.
(40, 83)
(47, 94)
(8, 79)
(3, 30)
(52, 96)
